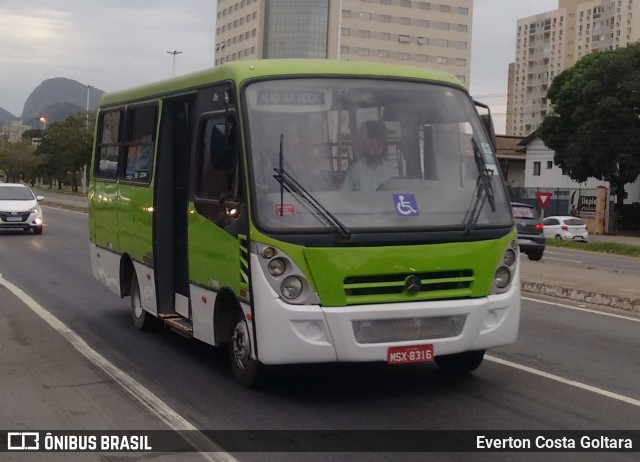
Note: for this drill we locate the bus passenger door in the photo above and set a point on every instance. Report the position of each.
(171, 206)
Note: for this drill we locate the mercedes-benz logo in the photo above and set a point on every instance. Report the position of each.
(412, 284)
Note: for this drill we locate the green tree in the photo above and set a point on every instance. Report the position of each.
(65, 148)
(31, 134)
(18, 160)
(594, 126)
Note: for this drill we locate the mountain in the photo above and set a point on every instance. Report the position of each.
(6, 117)
(58, 98)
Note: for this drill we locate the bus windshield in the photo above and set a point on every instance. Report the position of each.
(373, 154)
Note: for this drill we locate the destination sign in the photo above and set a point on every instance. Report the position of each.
(290, 97)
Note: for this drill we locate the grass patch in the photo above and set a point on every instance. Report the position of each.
(612, 248)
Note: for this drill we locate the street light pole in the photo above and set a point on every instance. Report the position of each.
(174, 53)
(87, 123)
(86, 127)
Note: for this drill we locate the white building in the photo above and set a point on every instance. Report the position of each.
(13, 132)
(541, 172)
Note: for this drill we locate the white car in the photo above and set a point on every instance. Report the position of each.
(571, 228)
(19, 208)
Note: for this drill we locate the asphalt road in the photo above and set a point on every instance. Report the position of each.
(594, 260)
(508, 392)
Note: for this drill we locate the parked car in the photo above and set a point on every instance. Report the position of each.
(530, 231)
(19, 208)
(562, 227)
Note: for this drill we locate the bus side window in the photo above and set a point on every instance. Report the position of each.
(217, 162)
(139, 143)
(217, 169)
(107, 152)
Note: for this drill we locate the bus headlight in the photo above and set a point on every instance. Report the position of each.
(502, 277)
(291, 287)
(284, 276)
(276, 267)
(509, 257)
(506, 269)
(269, 252)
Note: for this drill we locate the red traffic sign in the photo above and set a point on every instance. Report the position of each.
(543, 198)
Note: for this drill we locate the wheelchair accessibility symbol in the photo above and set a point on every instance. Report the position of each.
(406, 205)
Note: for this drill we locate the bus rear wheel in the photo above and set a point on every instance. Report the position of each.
(249, 372)
(142, 319)
(460, 363)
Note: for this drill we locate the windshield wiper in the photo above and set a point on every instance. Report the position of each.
(483, 190)
(288, 183)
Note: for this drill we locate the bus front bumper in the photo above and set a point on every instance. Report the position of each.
(289, 334)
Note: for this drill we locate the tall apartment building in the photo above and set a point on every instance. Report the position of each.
(551, 42)
(435, 35)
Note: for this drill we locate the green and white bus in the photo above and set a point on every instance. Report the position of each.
(218, 204)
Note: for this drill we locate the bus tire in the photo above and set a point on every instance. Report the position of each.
(247, 371)
(460, 363)
(142, 319)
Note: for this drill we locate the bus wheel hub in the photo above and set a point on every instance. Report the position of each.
(241, 347)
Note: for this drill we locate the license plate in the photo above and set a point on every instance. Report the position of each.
(14, 218)
(410, 354)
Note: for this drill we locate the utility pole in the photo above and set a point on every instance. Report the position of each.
(87, 123)
(86, 127)
(174, 53)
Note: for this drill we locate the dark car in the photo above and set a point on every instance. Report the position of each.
(530, 230)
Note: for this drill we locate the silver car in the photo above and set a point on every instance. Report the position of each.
(19, 208)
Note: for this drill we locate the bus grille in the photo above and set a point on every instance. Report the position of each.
(410, 329)
(402, 287)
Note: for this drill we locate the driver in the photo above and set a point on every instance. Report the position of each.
(372, 168)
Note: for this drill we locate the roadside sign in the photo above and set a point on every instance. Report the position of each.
(543, 198)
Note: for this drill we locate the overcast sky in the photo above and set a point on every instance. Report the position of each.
(116, 44)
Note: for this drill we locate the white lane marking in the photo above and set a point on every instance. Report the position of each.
(573, 383)
(562, 259)
(586, 310)
(138, 391)
(64, 210)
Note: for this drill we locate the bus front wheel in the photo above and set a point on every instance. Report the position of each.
(248, 371)
(460, 363)
(142, 320)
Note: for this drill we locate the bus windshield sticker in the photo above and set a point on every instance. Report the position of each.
(284, 210)
(406, 205)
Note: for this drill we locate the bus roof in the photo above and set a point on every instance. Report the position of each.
(239, 71)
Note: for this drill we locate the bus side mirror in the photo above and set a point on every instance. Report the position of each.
(487, 122)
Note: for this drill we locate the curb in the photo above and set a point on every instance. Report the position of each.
(615, 301)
